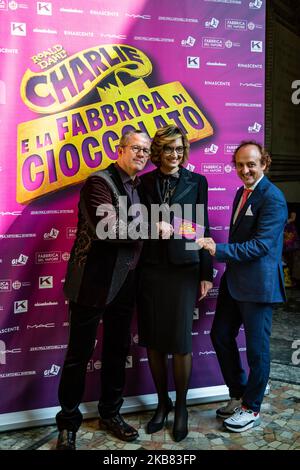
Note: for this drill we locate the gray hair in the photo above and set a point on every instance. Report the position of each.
(127, 136)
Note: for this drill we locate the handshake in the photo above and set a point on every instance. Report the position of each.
(166, 230)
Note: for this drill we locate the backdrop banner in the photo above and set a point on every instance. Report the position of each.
(75, 76)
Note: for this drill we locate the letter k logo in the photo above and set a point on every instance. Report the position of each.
(193, 62)
(18, 29)
(44, 8)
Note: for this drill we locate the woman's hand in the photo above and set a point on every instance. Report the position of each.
(205, 286)
(165, 230)
(207, 244)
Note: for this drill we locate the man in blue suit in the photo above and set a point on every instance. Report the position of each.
(251, 284)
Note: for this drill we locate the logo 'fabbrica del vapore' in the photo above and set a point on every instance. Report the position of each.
(91, 98)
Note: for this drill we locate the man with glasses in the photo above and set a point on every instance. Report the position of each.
(100, 284)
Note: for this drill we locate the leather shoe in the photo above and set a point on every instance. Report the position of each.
(66, 440)
(155, 426)
(119, 428)
(180, 431)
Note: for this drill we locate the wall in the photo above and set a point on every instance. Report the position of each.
(76, 75)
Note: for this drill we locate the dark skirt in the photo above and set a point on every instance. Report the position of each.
(166, 301)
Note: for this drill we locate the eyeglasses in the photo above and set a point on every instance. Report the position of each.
(169, 150)
(137, 149)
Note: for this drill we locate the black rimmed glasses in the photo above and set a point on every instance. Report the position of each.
(169, 150)
(138, 149)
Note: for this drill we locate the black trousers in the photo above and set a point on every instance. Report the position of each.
(84, 323)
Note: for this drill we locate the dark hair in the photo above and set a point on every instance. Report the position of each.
(164, 136)
(265, 158)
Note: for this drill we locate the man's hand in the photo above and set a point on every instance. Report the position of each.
(205, 286)
(207, 244)
(164, 229)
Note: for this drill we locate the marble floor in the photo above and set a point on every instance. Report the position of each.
(279, 430)
(285, 339)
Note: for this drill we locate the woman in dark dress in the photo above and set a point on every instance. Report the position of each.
(173, 274)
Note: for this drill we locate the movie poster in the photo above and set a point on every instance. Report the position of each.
(75, 76)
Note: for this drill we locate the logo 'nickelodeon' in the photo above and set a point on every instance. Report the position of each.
(64, 148)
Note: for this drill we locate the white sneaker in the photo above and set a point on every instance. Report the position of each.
(229, 409)
(242, 420)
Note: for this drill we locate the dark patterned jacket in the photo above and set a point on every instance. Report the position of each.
(97, 268)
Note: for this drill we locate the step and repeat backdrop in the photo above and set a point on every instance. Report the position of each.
(74, 76)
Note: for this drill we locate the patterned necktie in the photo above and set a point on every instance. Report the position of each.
(245, 196)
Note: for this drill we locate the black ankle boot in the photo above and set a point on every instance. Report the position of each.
(180, 430)
(155, 426)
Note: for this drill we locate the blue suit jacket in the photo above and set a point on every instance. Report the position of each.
(253, 255)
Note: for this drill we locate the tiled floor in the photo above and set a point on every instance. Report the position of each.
(280, 428)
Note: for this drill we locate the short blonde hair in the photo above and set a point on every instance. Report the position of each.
(164, 136)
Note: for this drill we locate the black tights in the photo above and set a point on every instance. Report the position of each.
(182, 365)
